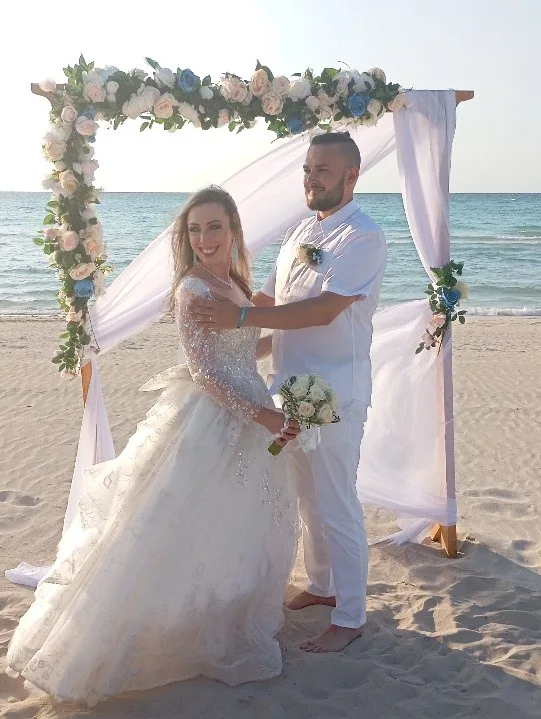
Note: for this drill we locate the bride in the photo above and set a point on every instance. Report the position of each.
(177, 562)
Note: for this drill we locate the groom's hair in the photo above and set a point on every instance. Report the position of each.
(343, 141)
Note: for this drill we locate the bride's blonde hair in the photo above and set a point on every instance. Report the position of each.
(183, 254)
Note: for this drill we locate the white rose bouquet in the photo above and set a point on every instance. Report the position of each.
(311, 401)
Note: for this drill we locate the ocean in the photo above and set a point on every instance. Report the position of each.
(497, 236)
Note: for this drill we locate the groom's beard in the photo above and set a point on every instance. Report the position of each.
(329, 199)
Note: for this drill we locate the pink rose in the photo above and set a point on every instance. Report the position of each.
(259, 82)
(48, 85)
(223, 117)
(164, 106)
(68, 182)
(50, 233)
(398, 102)
(437, 320)
(68, 114)
(281, 85)
(271, 103)
(85, 126)
(54, 148)
(83, 270)
(74, 316)
(69, 240)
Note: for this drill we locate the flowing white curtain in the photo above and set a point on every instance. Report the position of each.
(403, 450)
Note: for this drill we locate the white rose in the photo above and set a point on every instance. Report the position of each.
(325, 114)
(94, 91)
(62, 130)
(68, 114)
(165, 76)
(325, 414)
(297, 390)
(48, 85)
(68, 181)
(271, 103)
(87, 214)
(303, 380)
(89, 167)
(299, 88)
(306, 409)
(112, 87)
(316, 393)
(106, 72)
(88, 155)
(99, 281)
(164, 106)
(60, 165)
(324, 386)
(76, 167)
(378, 73)
(223, 117)
(398, 102)
(248, 99)
(206, 93)
(68, 240)
(363, 81)
(48, 182)
(190, 113)
(67, 374)
(281, 85)
(82, 271)
(139, 74)
(259, 83)
(370, 122)
(374, 107)
(85, 126)
(312, 102)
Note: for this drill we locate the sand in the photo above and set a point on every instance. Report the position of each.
(445, 638)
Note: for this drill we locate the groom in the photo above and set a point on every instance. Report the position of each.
(321, 315)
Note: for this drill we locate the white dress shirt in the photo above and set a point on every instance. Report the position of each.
(353, 263)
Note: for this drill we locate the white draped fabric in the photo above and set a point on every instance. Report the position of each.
(404, 465)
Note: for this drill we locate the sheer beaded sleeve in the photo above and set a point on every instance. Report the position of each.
(215, 369)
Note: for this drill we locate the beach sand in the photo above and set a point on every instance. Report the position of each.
(444, 638)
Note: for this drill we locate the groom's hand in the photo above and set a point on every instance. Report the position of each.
(219, 313)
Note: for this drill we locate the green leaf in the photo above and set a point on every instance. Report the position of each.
(144, 126)
(39, 241)
(49, 219)
(206, 80)
(152, 63)
(232, 125)
(462, 319)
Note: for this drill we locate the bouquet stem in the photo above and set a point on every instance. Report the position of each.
(275, 449)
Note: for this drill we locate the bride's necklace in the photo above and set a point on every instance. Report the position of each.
(227, 284)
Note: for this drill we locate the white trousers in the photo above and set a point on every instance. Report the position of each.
(334, 537)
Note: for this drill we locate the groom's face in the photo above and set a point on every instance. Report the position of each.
(325, 175)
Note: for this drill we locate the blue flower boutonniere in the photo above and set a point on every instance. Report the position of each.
(309, 255)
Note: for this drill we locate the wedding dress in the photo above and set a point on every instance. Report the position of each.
(177, 562)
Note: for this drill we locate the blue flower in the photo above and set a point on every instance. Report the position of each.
(91, 114)
(450, 297)
(295, 125)
(83, 288)
(187, 80)
(356, 104)
(92, 138)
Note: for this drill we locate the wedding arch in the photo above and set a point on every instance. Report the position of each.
(407, 456)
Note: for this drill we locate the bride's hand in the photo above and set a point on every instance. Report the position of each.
(274, 421)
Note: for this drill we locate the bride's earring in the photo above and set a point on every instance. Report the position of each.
(234, 253)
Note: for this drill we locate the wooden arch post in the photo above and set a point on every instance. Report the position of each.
(446, 535)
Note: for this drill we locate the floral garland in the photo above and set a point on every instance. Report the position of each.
(444, 298)
(73, 236)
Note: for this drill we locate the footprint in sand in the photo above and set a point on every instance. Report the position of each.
(19, 499)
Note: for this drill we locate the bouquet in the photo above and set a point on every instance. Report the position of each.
(311, 401)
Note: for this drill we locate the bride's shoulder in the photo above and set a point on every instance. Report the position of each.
(194, 285)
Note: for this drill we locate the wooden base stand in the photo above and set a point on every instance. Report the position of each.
(447, 537)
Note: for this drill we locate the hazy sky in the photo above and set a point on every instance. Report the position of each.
(489, 46)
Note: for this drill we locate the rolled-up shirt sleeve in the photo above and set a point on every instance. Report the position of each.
(269, 286)
(357, 266)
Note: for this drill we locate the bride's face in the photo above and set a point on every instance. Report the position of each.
(211, 236)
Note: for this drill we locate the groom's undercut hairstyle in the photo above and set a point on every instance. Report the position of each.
(343, 141)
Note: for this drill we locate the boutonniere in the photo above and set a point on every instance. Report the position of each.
(309, 255)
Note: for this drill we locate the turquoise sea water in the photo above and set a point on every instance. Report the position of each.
(497, 236)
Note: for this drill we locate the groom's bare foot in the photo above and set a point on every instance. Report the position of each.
(305, 599)
(333, 639)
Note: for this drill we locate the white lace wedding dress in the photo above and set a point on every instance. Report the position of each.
(177, 562)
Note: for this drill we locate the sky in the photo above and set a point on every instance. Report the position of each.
(489, 46)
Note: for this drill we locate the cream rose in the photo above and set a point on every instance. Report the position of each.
(437, 320)
(83, 270)
(316, 393)
(68, 181)
(233, 89)
(312, 102)
(259, 82)
(374, 107)
(54, 148)
(99, 282)
(398, 102)
(68, 114)
(363, 81)
(223, 117)
(68, 241)
(306, 409)
(74, 316)
(325, 414)
(164, 106)
(299, 88)
(271, 103)
(93, 246)
(94, 91)
(303, 380)
(87, 214)
(281, 85)
(85, 126)
(297, 390)
(48, 85)
(378, 73)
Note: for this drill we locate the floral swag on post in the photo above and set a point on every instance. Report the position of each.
(73, 236)
(444, 298)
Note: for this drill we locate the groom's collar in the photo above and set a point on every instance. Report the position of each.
(338, 218)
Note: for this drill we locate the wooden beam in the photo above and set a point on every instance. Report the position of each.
(86, 375)
(464, 95)
(447, 537)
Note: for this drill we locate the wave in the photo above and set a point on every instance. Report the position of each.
(505, 311)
